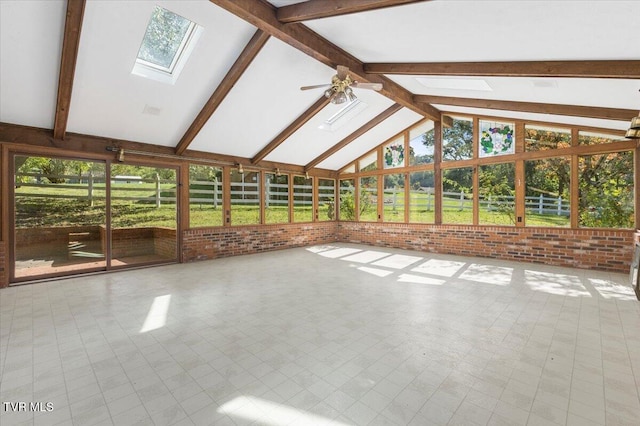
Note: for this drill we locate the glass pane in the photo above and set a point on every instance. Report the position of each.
(542, 138)
(422, 197)
(421, 142)
(606, 190)
(457, 140)
(276, 200)
(393, 198)
(205, 196)
(393, 154)
(589, 138)
(163, 38)
(548, 186)
(368, 199)
(370, 162)
(245, 198)
(143, 214)
(457, 195)
(60, 216)
(497, 194)
(496, 139)
(347, 199)
(326, 199)
(350, 169)
(302, 199)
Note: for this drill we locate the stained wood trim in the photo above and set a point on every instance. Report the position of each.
(520, 197)
(241, 64)
(263, 16)
(355, 135)
(576, 69)
(226, 195)
(184, 205)
(533, 107)
(315, 9)
(69, 57)
(574, 192)
(291, 129)
(636, 174)
(437, 172)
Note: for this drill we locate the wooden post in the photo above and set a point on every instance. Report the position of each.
(215, 192)
(157, 191)
(437, 171)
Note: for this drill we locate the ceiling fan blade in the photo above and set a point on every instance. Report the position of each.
(317, 86)
(342, 72)
(370, 86)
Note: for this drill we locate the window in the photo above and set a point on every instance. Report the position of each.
(393, 154)
(343, 116)
(205, 196)
(370, 162)
(496, 139)
(457, 195)
(457, 140)
(589, 138)
(276, 198)
(347, 199)
(421, 141)
(422, 197)
(497, 194)
(326, 199)
(606, 190)
(166, 45)
(302, 199)
(368, 199)
(245, 198)
(538, 138)
(393, 198)
(548, 187)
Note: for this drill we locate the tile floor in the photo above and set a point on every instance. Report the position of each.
(341, 335)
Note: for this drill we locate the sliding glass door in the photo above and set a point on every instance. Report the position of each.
(59, 216)
(73, 216)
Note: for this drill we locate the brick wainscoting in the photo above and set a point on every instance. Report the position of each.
(212, 243)
(609, 250)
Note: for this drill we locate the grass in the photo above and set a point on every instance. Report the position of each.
(46, 212)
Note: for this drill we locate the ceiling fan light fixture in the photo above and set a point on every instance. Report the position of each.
(350, 95)
(339, 98)
(328, 93)
(633, 134)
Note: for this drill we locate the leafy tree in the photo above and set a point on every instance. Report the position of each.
(457, 141)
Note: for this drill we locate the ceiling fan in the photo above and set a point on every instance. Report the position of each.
(339, 90)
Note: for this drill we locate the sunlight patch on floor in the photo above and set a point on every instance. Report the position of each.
(548, 282)
(366, 256)
(157, 316)
(397, 261)
(339, 252)
(443, 268)
(265, 412)
(375, 271)
(488, 274)
(612, 290)
(408, 278)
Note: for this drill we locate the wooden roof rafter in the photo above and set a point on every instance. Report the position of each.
(532, 107)
(263, 16)
(315, 9)
(626, 69)
(355, 135)
(69, 57)
(238, 68)
(291, 129)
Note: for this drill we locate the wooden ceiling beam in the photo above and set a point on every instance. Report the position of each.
(355, 135)
(576, 69)
(291, 129)
(315, 9)
(532, 107)
(263, 16)
(241, 64)
(69, 57)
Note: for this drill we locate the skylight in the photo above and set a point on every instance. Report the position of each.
(167, 43)
(345, 114)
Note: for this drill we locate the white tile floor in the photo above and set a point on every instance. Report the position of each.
(343, 334)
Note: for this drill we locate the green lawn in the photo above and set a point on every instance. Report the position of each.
(43, 212)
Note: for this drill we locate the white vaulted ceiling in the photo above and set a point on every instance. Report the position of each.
(108, 100)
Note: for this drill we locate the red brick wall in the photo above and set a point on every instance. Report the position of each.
(609, 250)
(126, 242)
(211, 243)
(164, 242)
